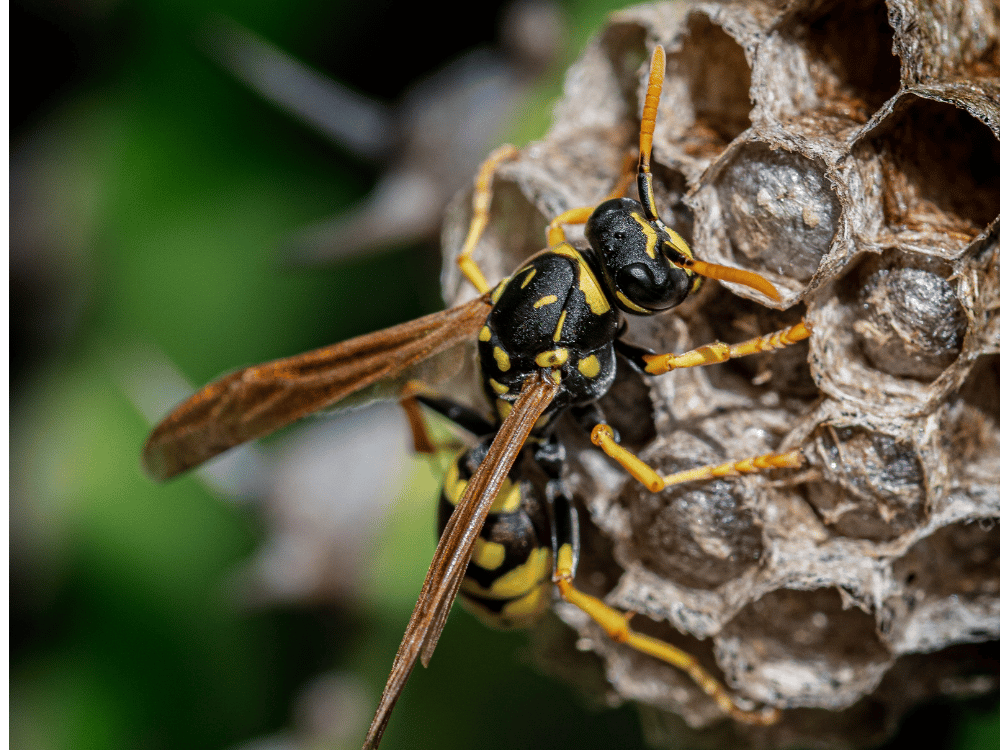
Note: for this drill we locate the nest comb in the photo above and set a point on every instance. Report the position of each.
(849, 152)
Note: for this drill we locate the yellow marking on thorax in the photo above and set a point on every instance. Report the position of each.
(487, 555)
(629, 305)
(485, 334)
(552, 358)
(529, 277)
(498, 291)
(649, 231)
(498, 388)
(502, 358)
(590, 366)
(559, 326)
(592, 293)
(548, 299)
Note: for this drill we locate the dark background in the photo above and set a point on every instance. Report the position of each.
(149, 194)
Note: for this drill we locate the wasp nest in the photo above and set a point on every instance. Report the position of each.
(849, 152)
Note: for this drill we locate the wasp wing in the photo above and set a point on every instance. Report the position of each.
(257, 400)
(454, 549)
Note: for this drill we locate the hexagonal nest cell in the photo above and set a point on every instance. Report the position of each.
(939, 172)
(850, 153)
(849, 48)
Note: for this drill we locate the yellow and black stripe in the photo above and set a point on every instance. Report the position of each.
(509, 580)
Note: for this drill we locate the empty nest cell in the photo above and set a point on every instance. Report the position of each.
(940, 174)
(849, 51)
(716, 75)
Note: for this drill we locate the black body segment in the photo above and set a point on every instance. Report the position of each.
(508, 582)
(550, 313)
(638, 258)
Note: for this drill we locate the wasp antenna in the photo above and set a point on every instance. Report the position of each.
(644, 179)
(736, 276)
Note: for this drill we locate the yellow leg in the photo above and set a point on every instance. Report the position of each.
(554, 233)
(603, 437)
(657, 364)
(616, 625)
(790, 460)
(625, 178)
(482, 196)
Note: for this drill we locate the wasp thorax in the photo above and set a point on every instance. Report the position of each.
(629, 248)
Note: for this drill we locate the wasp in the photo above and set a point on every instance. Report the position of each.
(548, 337)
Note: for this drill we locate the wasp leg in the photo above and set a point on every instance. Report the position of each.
(616, 625)
(482, 196)
(710, 354)
(566, 544)
(790, 460)
(603, 436)
(416, 393)
(590, 417)
(554, 233)
(422, 442)
(565, 526)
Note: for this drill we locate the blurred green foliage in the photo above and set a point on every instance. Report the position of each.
(157, 190)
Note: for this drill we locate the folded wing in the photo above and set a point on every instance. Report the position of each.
(454, 549)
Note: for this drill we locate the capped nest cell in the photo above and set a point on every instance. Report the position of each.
(848, 152)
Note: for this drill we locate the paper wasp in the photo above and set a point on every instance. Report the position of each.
(548, 338)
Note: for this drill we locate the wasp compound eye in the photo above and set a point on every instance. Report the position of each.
(636, 281)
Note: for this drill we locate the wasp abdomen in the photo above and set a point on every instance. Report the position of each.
(508, 581)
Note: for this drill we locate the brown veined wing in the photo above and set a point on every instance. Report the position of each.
(454, 549)
(257, 400)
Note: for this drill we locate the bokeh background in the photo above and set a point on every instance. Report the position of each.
(154, 199)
